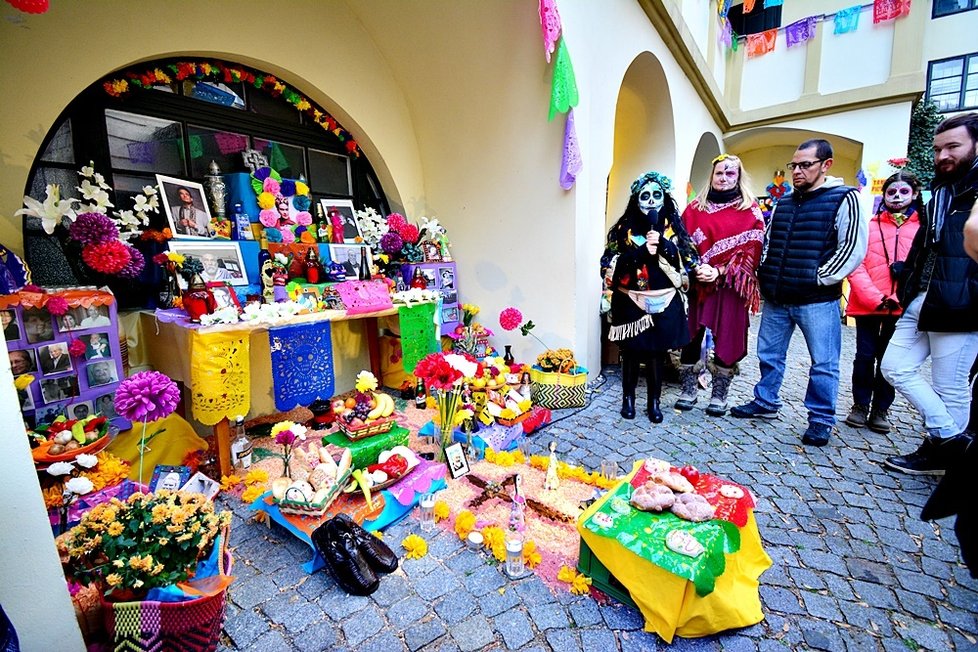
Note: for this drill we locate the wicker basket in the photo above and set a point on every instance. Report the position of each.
(512, 422)
(556, 390)
(316, 510)
(375, 427)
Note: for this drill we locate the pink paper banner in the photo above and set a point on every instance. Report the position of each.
(364, 296)
(550, 24)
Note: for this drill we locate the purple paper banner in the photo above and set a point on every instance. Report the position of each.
(570, 162)
(800, 31)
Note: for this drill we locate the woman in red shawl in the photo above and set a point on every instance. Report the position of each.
(725, 224)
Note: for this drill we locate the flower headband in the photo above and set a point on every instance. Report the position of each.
(660, 179)
(722, 157)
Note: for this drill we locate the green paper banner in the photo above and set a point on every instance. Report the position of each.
(563, 91)
(419, 335)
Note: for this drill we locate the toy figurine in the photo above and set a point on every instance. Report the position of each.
(552, 482)
(280, 276)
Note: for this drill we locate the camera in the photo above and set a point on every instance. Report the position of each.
(896, 269)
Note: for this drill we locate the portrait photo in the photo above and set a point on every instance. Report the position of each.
(81, 410)
(96, 346)
(59, 389)
(222, 261)
(26, 399)
(446, 278)
(54, 358)
(349, 256)
(186, 207)
(430, 277)
(458, 465)
(224, 295)
(105, 405)
(309, 298)
(48, 413)
(351, 228)
(22, 361)
(449, 315)
(201, 484)
(37, 325)
(11, 329)
(91, 317)
(169, 478)
(101, 373)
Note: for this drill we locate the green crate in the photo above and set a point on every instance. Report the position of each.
(601, 577)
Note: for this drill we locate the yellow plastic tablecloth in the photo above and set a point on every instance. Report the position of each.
(169, 447)
(668, 602)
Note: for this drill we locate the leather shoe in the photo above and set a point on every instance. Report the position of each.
(655, 411)
(343, 559)
(377, 553)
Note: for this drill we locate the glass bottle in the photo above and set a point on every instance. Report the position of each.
(418, 280)
(314, 268)
(508, 355)
(364, 274)
(241, 446)
(265, 269)
(198, 300)
(514, 555)
(420, 396)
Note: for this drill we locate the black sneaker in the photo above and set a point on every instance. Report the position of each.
(817, 434)
(932, 458)
(753, 411)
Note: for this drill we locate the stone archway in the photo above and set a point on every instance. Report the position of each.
(707, 149)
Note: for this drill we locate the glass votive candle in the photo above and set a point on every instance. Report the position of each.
(475, 540)
(609, 469)
(426, 512)
(514, 557)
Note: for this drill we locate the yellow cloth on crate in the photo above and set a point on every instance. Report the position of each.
(170, 447)
(668, 602)
(220, 376)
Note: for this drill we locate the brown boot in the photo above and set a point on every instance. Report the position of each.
(878, 422)
(689, 387)
(722, 377)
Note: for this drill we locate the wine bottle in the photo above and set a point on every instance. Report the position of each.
(364, 267)
(420, 396)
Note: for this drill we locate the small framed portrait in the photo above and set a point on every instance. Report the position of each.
(59, 389)
(351, 227)
(309, 297)
(350, 257)
(222, 261)
(26, 399)
(458, 464)
(81, 410)
(54, 358)
(169, 478)
(11, 328)
(431, 252)
(449, 315)
(97, 346)
(224, 294)
(446, 278)
(91, 317)
(101, 373)
(430, 277)
(22, 361)
(37, 325)
(105, 405)
(201, 484)
(186, 207)
(48, 413)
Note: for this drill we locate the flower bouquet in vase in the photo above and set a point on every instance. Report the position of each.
(470, 336)
(443, 374)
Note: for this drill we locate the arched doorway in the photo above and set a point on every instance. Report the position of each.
(706, 150)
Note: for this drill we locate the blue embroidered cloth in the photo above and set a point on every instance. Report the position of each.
(302, 363)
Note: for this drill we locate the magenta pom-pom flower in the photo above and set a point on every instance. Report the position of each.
(93, 228)
(395, 221)
(410, 233)
(57, 306)
(510, 319)
(272, 186)
(76, 348)
(146, 396)
(109, 257)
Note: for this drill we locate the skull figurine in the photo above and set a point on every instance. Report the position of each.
(650, 196)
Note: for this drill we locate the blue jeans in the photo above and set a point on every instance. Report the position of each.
(821, 324)
(869, 388)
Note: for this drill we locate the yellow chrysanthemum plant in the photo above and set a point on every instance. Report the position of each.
(147, 541)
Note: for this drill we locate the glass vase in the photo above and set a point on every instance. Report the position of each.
(448, 402)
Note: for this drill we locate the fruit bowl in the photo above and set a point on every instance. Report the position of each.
(41, 455)
(367, 429)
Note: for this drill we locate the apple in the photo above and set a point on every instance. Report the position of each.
(690, 473)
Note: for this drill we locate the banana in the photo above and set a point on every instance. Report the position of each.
(388, 405)
(378, 407)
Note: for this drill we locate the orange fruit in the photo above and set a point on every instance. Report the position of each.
(351, 402)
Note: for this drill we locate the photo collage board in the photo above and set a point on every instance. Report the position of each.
(74, 386)
(442, 276)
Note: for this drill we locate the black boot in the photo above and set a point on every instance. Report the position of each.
(629, 380)
(654, 383)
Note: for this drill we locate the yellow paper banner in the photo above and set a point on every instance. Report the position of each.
(220, 376)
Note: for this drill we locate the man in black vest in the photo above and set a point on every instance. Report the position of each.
(940, 291)
(817, 236)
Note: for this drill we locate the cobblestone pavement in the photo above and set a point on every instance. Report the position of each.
(854, 567)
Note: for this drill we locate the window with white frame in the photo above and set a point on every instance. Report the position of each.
(952, 84)
(948, 7)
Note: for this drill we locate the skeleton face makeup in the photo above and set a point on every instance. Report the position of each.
(650, 196)
(898, 196)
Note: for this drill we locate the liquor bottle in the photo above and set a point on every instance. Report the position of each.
(420, 396)
(241, 446)
(242, 224)
(508, 356)
(322, 225)
(364, 274)
(418, 281)
(265, 269)
(314, 269)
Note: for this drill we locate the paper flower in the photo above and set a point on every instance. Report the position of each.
(441, 510)
(366, 381)
(146, 396)
(93, 228)
(106, 257)
(23, 382)
(395, 221)
(136, 263)
(266, 200)
(416, 546)
(510, 318)
(410, 233)
(79, 486)
(60, 468)
(272, 186)
(86, 461)
(391, 242)
(57, 306)
(76, 348)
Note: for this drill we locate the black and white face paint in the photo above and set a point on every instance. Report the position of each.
(651, 196)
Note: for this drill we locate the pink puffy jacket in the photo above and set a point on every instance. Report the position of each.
(871, 281)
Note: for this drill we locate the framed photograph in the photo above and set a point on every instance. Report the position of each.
(22, 361)
(169, 478)
(201, 484)
(458, 464)
(186, 207)
(431, 252)
(308, 297)
(430, 277)
(48, 413)
(80, 410)
(101, 373)
(105, 405)
(446, 279)
(349, 256)
(97, 346)
(11, 328)
(351, 228)
(449, 315)
(26, 399)
(80, 318)
(59, 389)
(222, 261)
(224, 294)
(37, 325)
(54, 358)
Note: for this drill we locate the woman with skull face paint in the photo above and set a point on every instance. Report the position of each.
(646, 277)
(873, 298)
(727, 226)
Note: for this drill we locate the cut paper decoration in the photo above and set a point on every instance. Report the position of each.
(570, 162)
(725, 35)
(302, 363)
(364, 296)
(861, 179)
(563, 91)
(723, 7)
(773, 3)
(196, 147)
(550, 24)
(884, 10)
(800, 31)
(847, 20)
(220, 376)
(761, 43)
(230, 143)
(749, 6)
(419, 335)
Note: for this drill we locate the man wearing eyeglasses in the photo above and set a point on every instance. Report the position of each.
(940, 291)
(816, 237)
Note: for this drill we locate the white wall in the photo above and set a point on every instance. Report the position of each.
(773, 78)
(949, 36)
(697, 15)
(856, 59)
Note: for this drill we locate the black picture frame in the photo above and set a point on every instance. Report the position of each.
(458, 463)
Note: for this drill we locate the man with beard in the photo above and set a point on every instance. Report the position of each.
(940, 291)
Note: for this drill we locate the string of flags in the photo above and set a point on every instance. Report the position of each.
(563, 90)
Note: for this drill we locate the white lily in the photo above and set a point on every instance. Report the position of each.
(79, 486)
(100, 180)
(149, 191)
(141, 204)
(95, 194)
(52, 211)
(88, 171)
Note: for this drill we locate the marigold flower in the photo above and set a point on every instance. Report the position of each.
(229, 482)
(464, 523)
(252, 493)
(113, 579)
(256, 476)
(115, 529)
(416, 546)
(441, 510)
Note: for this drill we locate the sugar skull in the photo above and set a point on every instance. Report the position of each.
(651, 196)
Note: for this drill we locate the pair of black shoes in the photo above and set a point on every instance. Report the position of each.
(353, 556)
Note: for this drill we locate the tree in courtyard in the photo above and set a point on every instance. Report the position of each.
(923, 120)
